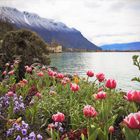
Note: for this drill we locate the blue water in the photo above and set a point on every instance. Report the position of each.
(117, 65)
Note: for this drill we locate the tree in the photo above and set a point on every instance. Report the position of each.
(26, 46)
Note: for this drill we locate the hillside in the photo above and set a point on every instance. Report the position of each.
(48, 29)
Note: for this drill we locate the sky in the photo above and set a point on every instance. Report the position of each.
(100, 21)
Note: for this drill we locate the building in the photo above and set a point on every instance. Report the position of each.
(55, 47)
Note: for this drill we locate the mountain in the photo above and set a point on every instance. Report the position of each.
(48, 29)
(122, 46)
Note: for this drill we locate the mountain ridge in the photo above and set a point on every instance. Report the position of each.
(122, 46)
(48, 29)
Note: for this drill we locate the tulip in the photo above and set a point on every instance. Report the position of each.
(111, 83)
(11, 72)
(89, 111)
(59, 117)
(74, 87)
(100, 77)
(40, 74)
(52, 73)
(4, 72)
(10, 94)
(133, 96)
(60, 76)
(132, 120)
(24, 81)
(111, 129)
(28, 69)
(100, 95)
(38, 94)
(51, 126)
(90, 73)
(100, 89)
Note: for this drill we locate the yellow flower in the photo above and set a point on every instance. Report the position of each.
(76, 79)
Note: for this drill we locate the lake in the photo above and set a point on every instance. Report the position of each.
(117, 65)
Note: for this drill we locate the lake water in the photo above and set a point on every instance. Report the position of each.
(117, 65)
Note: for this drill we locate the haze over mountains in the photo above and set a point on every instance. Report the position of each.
(48, 29)
(122, 46)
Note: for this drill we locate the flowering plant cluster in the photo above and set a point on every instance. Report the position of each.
(66, 107)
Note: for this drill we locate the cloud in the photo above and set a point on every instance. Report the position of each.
(101, 21)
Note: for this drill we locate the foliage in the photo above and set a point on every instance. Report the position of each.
(44, 93)
(25, 46)
(136, 62)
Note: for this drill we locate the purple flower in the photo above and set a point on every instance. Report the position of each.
(32, 136)
(10, 131)
(18, 137)
(25, 125)
(39, 137)
(25, 138)
(24, 132)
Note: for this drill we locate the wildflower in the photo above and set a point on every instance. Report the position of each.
(59, 117)
(18, 137)
(76, 79)
(100, 77)
(132, 120)
(89, 111)
(24, 132)
(100, 95)
(90, 73)
(111, 83)
(74, 87)
(32, 136)
(111, 129)
(39, 137)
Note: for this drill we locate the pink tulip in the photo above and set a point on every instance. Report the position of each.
(40, 74)
(100, 77)
(24, 81)
(90, 73)
(4, 72)
(100, 89)
(28, 69)
(133, 120)
(89, 111)
(111, 129)
(111, 83)
(10, 94)
(43, 68)
(59, 117)
(133, 96)
(74, 87)
(52, 73)
(11, 72)
(100, 95)
(60, 75)
(38, 94)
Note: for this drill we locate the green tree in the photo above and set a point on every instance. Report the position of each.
(26, 46)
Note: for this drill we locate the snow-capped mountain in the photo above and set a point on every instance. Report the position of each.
(48, 29)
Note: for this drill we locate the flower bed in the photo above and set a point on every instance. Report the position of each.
(47, 104)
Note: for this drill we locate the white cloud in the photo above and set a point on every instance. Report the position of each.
(101, 21)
